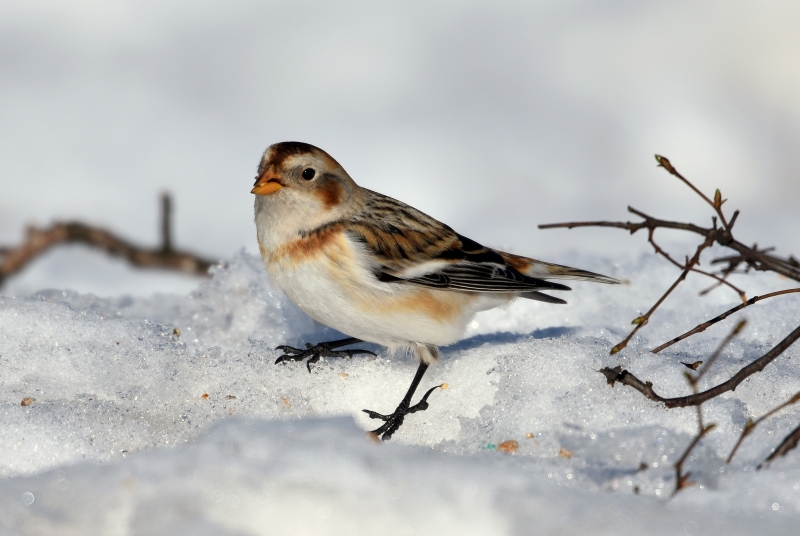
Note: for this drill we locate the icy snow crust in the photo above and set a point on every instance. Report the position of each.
(138, 430)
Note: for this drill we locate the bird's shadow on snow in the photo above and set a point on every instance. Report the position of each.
(476, 341)
(506, 337)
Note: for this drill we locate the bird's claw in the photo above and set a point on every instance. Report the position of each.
(393, 422)
(315, 353)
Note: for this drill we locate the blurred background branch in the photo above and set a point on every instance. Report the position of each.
(38, 241)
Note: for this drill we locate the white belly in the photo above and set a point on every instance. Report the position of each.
(348, 298)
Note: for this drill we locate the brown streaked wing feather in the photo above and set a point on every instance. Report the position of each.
(399, 235)
(402, 238)
(483, 277)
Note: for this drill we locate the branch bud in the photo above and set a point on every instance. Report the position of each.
(663, 162)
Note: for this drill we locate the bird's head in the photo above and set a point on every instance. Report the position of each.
(298, 173)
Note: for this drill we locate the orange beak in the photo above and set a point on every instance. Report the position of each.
(268, 183)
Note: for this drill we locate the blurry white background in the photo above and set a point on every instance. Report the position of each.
(493, 117)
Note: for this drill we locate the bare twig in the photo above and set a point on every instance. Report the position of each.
(752, 258)
(628, 226)
(750, 425)
(682, 480)
(757, 260)
(764, 263)
(716, 285)
(166, 223)
(724, 344)
(617, 374)
(705, 325)
(720, 280)
(642, 320)
(716, 204)
(13, 260)
(788, 444)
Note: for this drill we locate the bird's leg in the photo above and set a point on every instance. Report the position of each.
(323, 349)
(395, 420)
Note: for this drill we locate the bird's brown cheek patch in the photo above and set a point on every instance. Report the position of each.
(330, 193)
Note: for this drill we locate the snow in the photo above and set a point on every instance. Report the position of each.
(167, 415)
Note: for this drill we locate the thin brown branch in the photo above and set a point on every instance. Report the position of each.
(642, 320)
(649, 223)
(714, 286)
(720, 281)
(764, 263)
(166, 223)
(682, 480)
(752, 258)
(666, 224)
(716, 204)
(617, 374)
(750, 425)
(40, 240)
(733, 219)
(736, 259)
(629, 226)
(693, 383)
(705, 325)
(789, 443)
(757, 260)
(724, 344)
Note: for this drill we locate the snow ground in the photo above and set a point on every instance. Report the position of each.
(138, 430)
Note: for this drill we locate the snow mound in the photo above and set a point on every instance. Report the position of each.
(167, 415)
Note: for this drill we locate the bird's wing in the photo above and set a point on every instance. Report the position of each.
(408, 246)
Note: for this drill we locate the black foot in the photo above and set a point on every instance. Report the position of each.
(395, 420)
(314, 353)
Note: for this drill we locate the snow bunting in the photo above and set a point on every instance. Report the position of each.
(377, 269)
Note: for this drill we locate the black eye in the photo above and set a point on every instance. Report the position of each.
(308, 174)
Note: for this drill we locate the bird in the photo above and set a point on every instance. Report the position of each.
(379, 270)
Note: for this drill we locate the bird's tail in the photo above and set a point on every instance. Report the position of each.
(546, 270)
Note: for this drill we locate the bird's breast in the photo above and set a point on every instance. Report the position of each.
(325, 245)
(317, 262)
